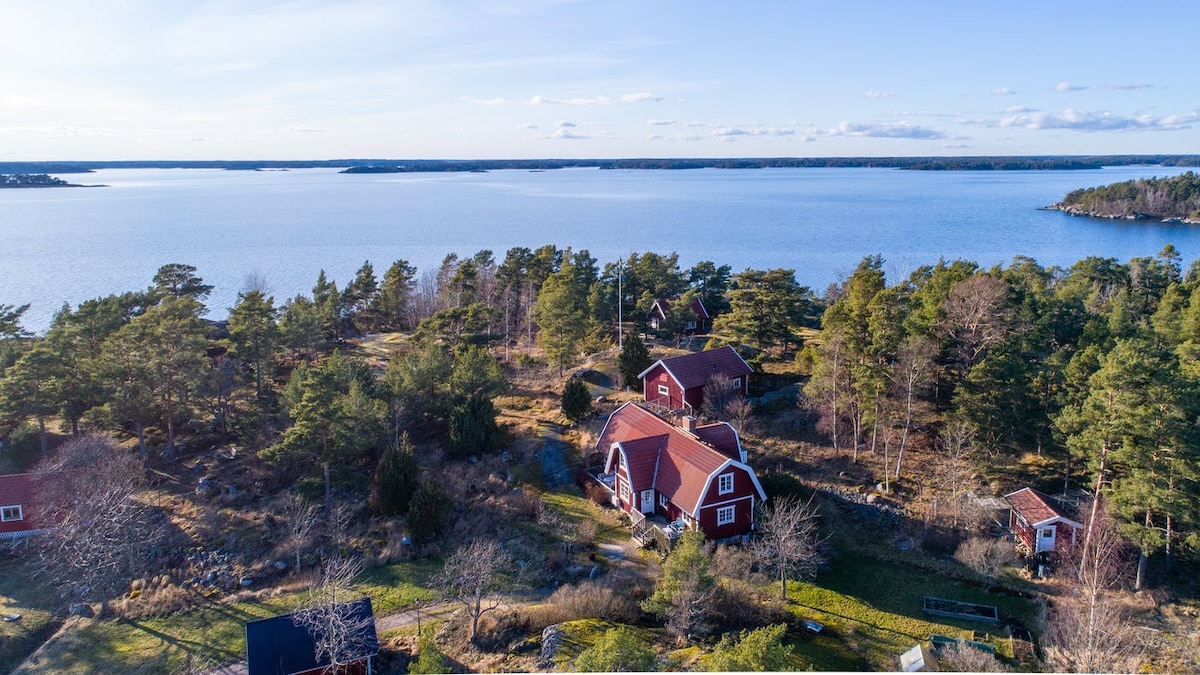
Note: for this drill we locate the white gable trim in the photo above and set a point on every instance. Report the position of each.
(642, 375)
(708, 483)
(1057, 519)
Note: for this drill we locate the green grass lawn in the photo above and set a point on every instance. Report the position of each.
(38, 609)
(872, 613)
(208, 636)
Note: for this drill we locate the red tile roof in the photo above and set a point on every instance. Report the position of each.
(694, 370)
(662, 305)
(16, 489)
(722, 437)
(665, 457)
(1036, 507)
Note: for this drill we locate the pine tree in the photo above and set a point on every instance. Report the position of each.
(576, 399)
(396, 479)
(634, 359)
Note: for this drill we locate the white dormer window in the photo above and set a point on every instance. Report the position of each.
(725, 483)
(8, 513)
(664, 390)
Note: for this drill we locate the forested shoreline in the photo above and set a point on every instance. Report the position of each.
(951, 382)
(1173, 199)
(926, 163)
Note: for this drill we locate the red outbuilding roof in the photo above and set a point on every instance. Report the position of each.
(1036, 508)
(696, 369)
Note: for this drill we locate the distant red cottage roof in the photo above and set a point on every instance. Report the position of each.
(664, 457)
(1037, 508)
(696, 369)
(663, 305)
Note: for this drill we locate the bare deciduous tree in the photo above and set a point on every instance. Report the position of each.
(952, 479)
(719, 393)
(978, 316)
(302, 517)
(472, 574)
(340, 632)
(105, 534)
(963, 658)
(986, 556)
(788, 541)
(1087, 629)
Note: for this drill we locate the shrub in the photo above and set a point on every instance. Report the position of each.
(430, 659)
(617, 650)
(756, 650)
(586, 600)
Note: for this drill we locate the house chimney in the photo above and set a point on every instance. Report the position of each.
(689, 424)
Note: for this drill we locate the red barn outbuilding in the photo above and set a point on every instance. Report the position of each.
(678, 383)
(691, 477)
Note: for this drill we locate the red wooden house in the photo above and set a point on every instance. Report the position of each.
(1039, 522)
(678, 383)
(19, 512)
(699, 324)
(693, 477)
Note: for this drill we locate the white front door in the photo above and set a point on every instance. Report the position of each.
(1045, 539)
(647, 501)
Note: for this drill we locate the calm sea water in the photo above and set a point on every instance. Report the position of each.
(68, 245)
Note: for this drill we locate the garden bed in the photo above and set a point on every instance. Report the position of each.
(956, 609)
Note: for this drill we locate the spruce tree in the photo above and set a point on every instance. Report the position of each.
(576, 400)
(395, 479)
(634, 359)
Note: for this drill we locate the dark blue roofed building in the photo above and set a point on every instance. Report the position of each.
(282, 646)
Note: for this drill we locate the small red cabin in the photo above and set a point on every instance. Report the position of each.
(694, 476)
(1039, 522)
(678, 383)
(19, 511)
(699, 323)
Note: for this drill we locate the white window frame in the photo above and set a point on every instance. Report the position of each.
(662, 499)
(7, 513)
(725, 483)
(664, 390)
(625, 493)
(737, 382)
(726, 515)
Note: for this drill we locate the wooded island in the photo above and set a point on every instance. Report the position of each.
(1174, 199)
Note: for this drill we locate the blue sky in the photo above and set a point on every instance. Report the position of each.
(167, 79)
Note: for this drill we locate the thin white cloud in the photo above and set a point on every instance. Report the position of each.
(1128, 86)
(490, 102)
(955, 146)
(546, 100)
(726, 132)
(1064, 87)
(564, 134)
(527, 126)
(1003, 91)
(1080, 120)
(885, 130)
(1018, 109)
(566, 124)
(879, 94)
(660, 123)
(299, 129)
(641, 97)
